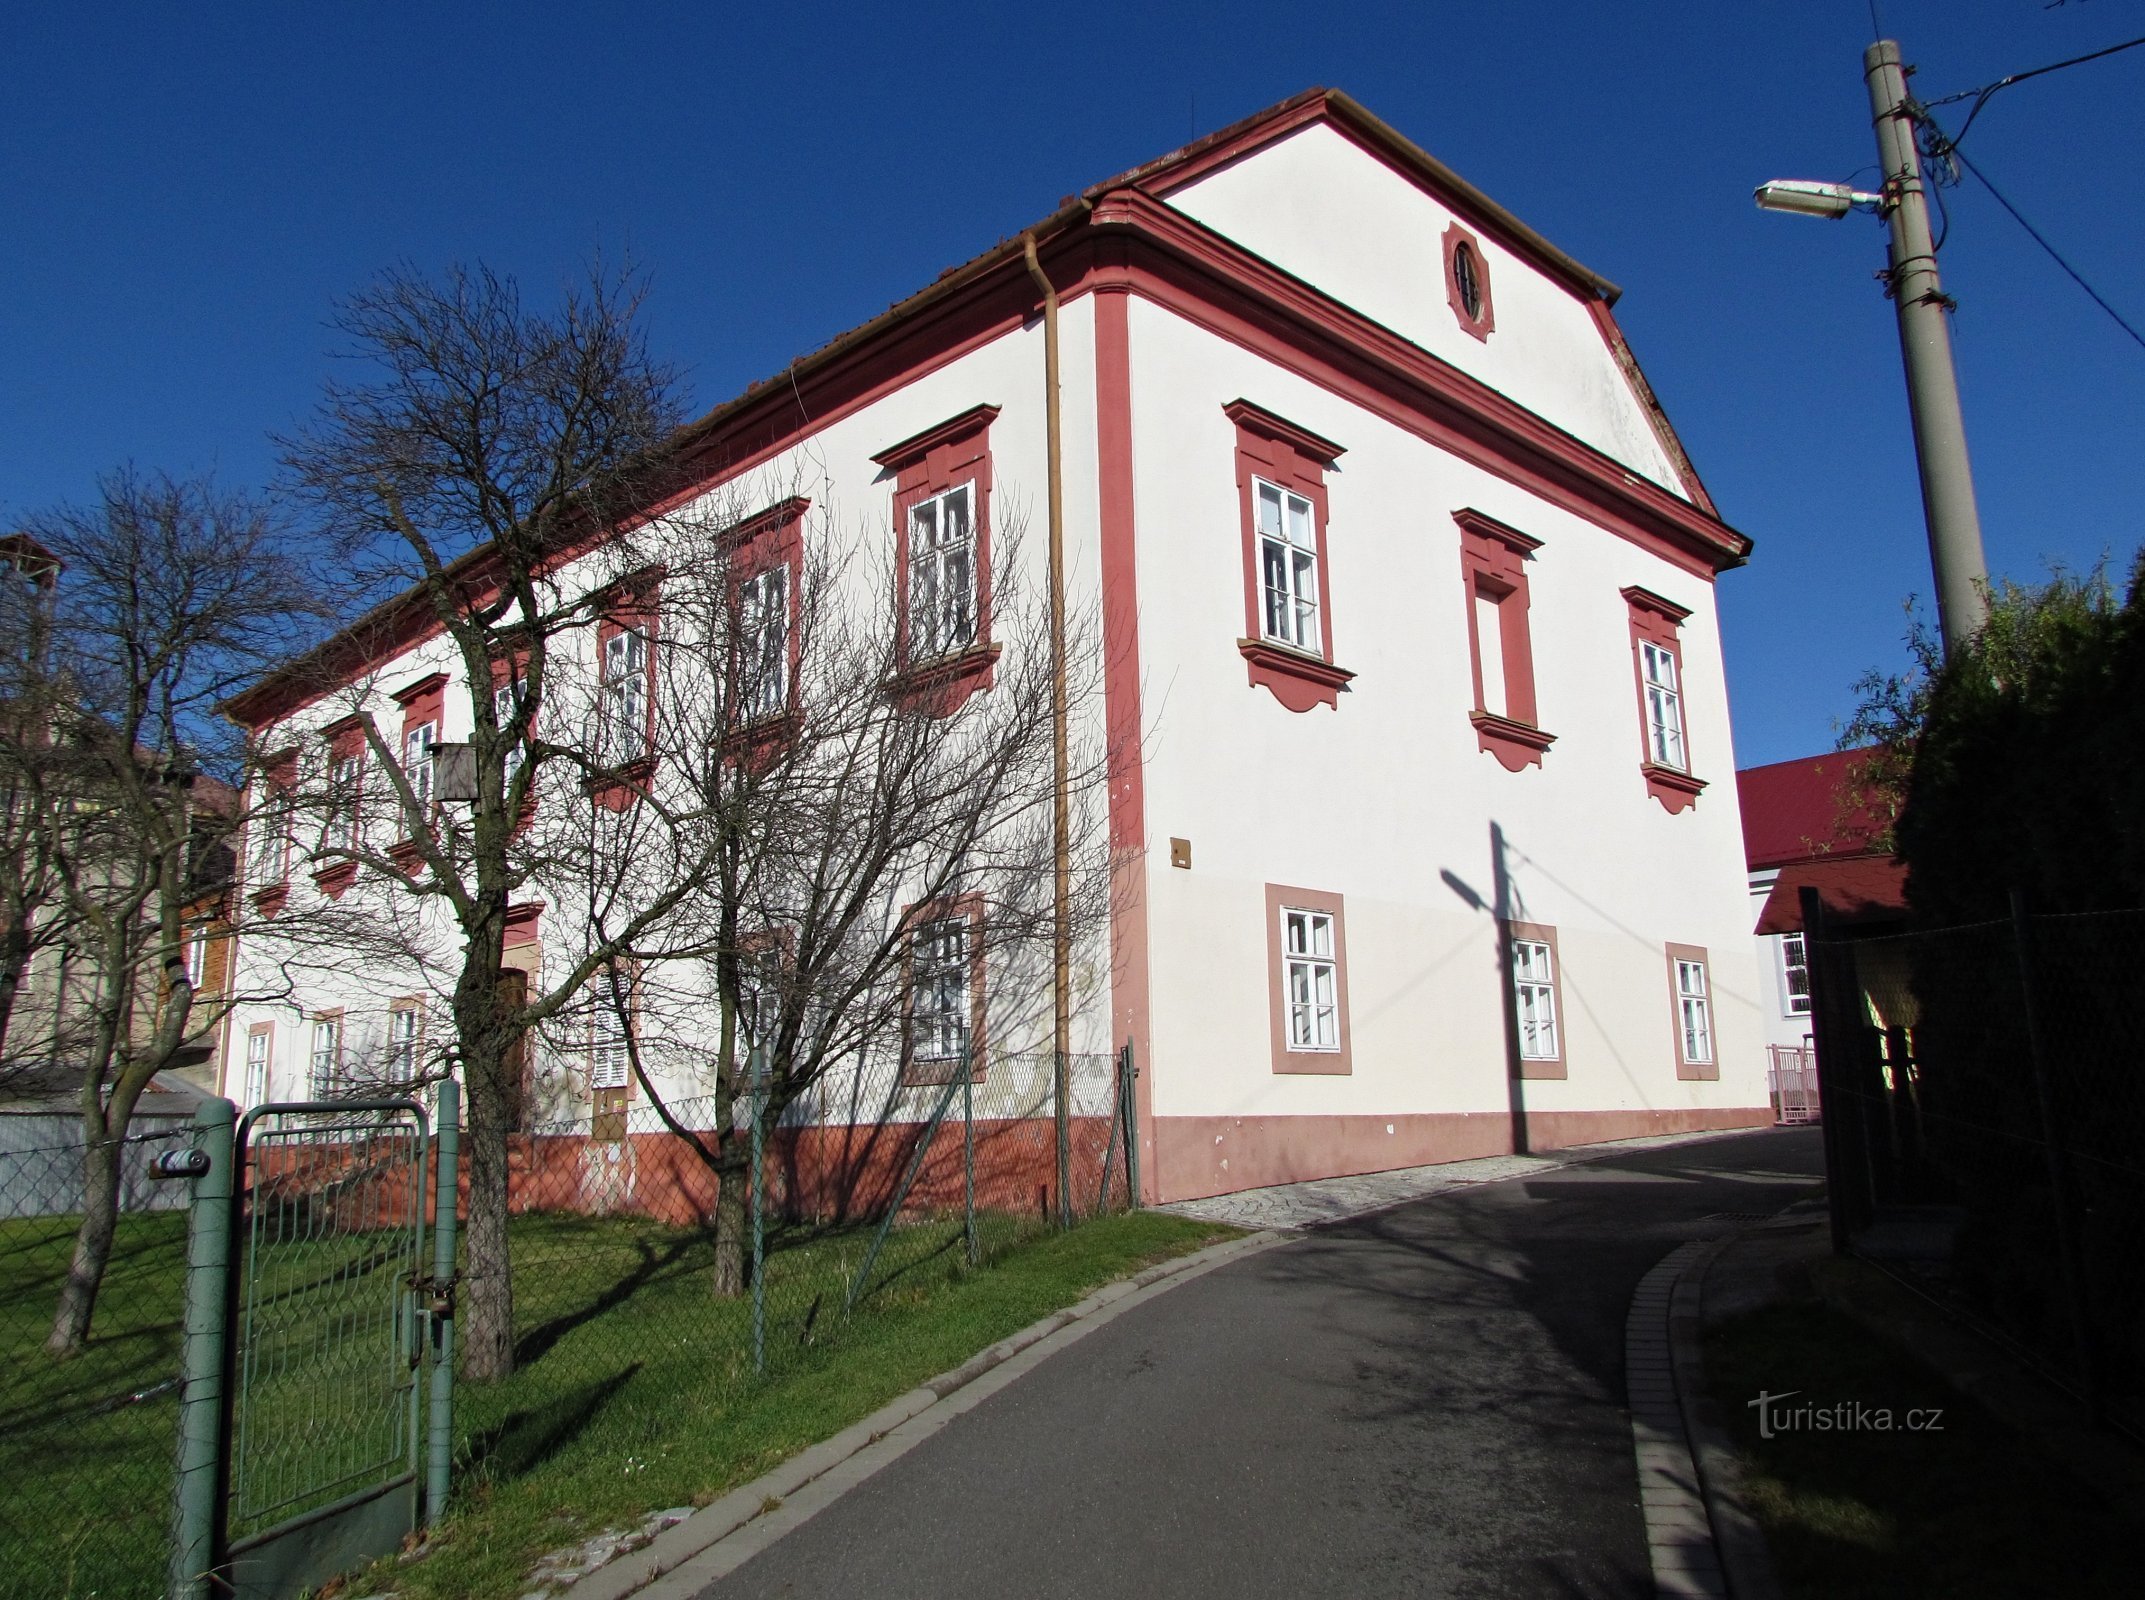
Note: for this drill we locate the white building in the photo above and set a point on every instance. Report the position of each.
(1422, 774)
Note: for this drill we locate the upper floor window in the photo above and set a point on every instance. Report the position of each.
(1288, 574)
(423, 706)
(1467, 282)
(942, 547)
(763, 641)
(623, 732)
(1657, 662)
(1493, 568)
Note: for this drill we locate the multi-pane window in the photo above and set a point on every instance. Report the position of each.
(609, 1056)
(402, 1043)
(1795, 974)
(1288, 566)
(504, 707)
(417, 745)
(1664, 706)
(342, 829)
(271, 843)
(257, 1066)
(763, 643)
(1694, 1010)
(759, 997)
(1534, 989)
(327, 1056)
(942, 573)
(939, 993)
(625, 697)
(1310, 977)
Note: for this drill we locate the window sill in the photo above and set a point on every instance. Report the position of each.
(334, 880)
(1697, 1071)
(1296, 678)
(408, 854)
(1329, 1063)
(272, 899)
(941, 686)
(1531, 1071)
(618, 788)
(1516, 745)
(924, 1074)
(1677, 791)
(755, 745)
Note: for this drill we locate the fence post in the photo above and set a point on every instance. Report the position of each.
(197, 1510)
(1130, 1092)
(2059, 1177)
(446, 1206)
(756, 1064)
(968, 1153)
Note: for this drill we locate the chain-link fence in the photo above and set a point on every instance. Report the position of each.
(87, 1436)
(1984, 1104)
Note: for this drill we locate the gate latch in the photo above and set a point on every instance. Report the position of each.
(180, 1164)
(440, 1289)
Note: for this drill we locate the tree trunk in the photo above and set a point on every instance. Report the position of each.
(14, 960)
(492, 1062)
(92, 1246)
(733, 1177)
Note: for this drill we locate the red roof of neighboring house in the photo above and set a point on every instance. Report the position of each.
(1852, 888)
(1797, 811)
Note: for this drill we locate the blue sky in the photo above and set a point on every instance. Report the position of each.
(186, 189)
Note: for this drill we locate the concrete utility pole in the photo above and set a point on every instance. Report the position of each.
(1925, 343)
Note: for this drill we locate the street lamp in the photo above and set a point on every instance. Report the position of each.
(1924, 340)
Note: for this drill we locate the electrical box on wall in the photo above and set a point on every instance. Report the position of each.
(1180, 853)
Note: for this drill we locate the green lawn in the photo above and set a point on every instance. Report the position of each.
(1967, 1511)
(636, 1387)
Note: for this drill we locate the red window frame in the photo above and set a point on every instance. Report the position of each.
(1493, 567)
(943, 457)
(772, 538)
(946, 908)
(1332, 1063)
(423, 703)
(1295, 459)
(632, 607)
(1658, 622)
(1483, 322)
(346, 742)
(278, 781)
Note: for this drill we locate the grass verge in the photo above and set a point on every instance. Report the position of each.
(621, 1414)
(1871, 1509)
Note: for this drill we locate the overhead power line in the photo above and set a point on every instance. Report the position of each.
(1987, 91)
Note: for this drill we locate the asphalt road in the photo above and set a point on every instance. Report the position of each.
(1428, 1401)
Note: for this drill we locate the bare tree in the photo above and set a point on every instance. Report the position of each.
(175, 593)
(32, 909)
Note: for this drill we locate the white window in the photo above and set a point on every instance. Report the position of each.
(1695, 1010)
(327, 1057)
(625, 698)
(759, 997)
(1534, 986)
(503, 709)
(939, 994)
(342, 830)
(257, 1045)
(402, 1044)
(1310, 979)
(1664, 706)
(1288, 566)
(942, 573)
(609, 1059)
(417, 759)
(763, 643)
(1795, 974)
(193, 949)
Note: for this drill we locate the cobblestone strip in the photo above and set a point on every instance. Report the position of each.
(1679, 1535)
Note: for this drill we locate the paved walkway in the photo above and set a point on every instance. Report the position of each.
(1424, 1401)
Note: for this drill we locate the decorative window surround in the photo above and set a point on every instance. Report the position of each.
(1467, 278)
(260, 1059)
(1275, 452)
(324, 1077)
(624, 735)
(938, 677)
(344, 828)
(423, 712)
(767, 577)
(1690, 994)
(405, 1038)
(1281, 900)
(1537, 999)
(924, 1055)
(1656, 622)
(268, 856)
(1493, 561)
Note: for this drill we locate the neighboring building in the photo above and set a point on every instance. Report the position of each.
(1805, 826)
(1421, 766)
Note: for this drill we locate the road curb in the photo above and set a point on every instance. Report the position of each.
(913, 1416)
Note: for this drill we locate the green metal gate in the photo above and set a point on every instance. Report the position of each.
(315, 1428)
